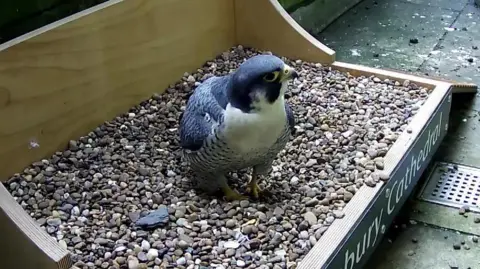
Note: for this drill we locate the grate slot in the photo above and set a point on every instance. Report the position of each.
(453, 185)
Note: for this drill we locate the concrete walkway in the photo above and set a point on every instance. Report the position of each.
(431, 37)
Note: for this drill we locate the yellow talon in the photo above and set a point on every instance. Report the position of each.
(254, 189)
(231, 195)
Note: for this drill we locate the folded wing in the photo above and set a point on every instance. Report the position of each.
(204, 110)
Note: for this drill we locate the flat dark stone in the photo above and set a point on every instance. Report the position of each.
(154, 219)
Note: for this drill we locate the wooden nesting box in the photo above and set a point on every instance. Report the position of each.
(62, 80)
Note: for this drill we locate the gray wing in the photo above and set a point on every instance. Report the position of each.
(290, 118)
(205, 107)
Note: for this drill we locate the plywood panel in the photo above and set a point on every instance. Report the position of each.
(20, 234)
(265, 25)
(63, 80)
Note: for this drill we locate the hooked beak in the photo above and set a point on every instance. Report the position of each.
(288, 73)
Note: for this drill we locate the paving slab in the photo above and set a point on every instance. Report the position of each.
(457, 55)
(446, 217)
(379, 58)
(424, 247)
(457, 5)
(388, 26)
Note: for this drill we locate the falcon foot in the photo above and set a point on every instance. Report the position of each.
(254, 189)
(231, 195)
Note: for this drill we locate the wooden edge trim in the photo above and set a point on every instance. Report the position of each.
(299, 29)
(429, 82)
(27, 235)
(265, 25)
(458, 87)
(319, 255)
(361, 70)
(57, 23)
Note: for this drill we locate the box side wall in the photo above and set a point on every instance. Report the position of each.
(265, 25)
(61, 81)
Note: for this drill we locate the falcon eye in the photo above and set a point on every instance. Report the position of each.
(270, 77)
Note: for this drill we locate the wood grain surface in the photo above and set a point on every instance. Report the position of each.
(265, 25)
(63, 80)
(21, 234)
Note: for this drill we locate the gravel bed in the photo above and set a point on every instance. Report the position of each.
(89, 196)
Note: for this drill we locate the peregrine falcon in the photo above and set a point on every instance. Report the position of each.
(238, 121)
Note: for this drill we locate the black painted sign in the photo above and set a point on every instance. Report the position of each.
(362, 241)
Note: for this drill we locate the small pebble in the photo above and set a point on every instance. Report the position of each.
(152, 254)
(133, 263)
(463, 210)
(181, 261)
(475, 239)
(240, 263)
(453, 265)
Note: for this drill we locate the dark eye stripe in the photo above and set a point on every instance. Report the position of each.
(270, 76)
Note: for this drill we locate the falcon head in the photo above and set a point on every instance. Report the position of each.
(259, 82)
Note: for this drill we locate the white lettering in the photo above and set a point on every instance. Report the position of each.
(399, 193)
(416, 163)
(352, 258)
(361, 253)
(389, 207)
(428, 144)
(426, 148)
(370, 230)
(349, 260)
(420, 157)
(408, 178)
(413, 165)
(378, 221)
(435, 134)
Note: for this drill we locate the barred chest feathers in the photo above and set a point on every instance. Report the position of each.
(250, 132)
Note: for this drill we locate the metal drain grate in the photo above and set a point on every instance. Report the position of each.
(453, 185)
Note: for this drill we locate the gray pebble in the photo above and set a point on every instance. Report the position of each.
(310, 218)
(231, 223)
(54, 222)
(287, 226)
(312, 202)
(181, 261)
(475, 239)
(304, 235)
(338, 214)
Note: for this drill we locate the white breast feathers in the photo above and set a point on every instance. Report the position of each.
(247, 132)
